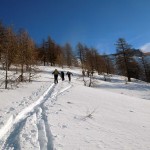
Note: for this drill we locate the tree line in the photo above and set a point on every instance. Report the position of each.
(17, 49)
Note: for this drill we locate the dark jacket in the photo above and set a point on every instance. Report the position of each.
(69, 73)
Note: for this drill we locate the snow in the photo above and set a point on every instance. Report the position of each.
(40, 115)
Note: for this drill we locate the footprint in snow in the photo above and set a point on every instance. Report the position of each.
(11, 109)
(24, 135)
(131, 111)
(1, 123)
(69, 103)
(33, 131)
(46, 108)
(64, 126)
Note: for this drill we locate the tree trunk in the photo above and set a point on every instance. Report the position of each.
(21, 76)
(6, 69)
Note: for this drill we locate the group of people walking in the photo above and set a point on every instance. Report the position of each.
(62, 75)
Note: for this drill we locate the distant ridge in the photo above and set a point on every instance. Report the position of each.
(147, 53)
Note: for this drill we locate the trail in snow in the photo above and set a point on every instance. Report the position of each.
(11, 135)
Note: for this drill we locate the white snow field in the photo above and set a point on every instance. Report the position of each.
(70, 116)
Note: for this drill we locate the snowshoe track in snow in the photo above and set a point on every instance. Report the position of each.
(11, 135)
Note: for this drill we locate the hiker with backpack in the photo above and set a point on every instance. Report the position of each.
(62, 75)
(56, 73)
(69, 75)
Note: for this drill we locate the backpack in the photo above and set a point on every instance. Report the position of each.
(55, 72)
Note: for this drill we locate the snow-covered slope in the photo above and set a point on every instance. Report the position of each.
(70, 116)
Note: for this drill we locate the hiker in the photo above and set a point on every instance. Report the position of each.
(56, 72)
(69, 75)
(62, 75)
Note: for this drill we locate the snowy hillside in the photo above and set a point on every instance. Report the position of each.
(70, 116)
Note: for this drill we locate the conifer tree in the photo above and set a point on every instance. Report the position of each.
(124, 57)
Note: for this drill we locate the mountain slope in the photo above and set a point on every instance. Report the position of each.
(71, 116)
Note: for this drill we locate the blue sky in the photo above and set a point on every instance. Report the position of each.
(96, 23)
